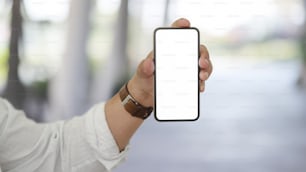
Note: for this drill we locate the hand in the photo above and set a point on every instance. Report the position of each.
(141, 84)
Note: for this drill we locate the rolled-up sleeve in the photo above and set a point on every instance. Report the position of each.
(92, 141)
(84, 143)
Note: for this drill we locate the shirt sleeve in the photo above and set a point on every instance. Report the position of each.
(91, 143)
(83, 143)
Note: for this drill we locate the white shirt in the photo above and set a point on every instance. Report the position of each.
(81, 144)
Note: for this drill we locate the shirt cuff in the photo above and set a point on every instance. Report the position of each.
(101, 139)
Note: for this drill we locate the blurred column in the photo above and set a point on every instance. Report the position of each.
(69, 89)
(15, 91)
(302, 77)
(110, 78)
(166, 13)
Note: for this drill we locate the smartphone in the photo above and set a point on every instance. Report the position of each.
(176, 75)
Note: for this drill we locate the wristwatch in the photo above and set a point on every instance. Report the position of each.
(132, 106)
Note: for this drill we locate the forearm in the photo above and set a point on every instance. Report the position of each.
(121, 123)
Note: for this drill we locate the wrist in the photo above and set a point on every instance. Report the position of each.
(139, 94)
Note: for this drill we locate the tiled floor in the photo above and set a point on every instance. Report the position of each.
(253, 119)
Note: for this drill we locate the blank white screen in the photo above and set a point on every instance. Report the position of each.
(176, 74)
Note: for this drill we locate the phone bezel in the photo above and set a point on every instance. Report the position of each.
(154, 42)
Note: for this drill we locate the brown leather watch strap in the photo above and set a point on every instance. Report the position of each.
(132, 106)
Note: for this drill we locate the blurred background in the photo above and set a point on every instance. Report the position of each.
(59, 57)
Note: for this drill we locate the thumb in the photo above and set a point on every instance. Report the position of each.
(182, 22)
(146, 67)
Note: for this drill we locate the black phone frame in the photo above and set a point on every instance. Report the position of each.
(154, 60)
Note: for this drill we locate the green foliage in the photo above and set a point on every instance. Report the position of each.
(269, 49)
(303, 48)
(274, 49)
(3, 65)
(39, 88)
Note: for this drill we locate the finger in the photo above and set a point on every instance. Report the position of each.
(150, 55)
(205, 62)
(146, 67)
(202, 86)
(204, 57)
(203, 75)
(210, 67)
(204, 51)
(181, 23)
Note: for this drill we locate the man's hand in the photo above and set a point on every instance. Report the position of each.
(141, 84)
(122, 124)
